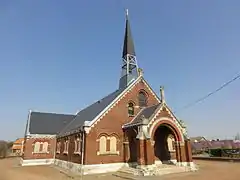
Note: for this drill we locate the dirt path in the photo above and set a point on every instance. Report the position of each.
(9, 170)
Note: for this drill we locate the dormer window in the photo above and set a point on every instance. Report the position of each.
(142, 99)
(130, 109)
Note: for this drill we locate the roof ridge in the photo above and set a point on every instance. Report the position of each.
(35, 111)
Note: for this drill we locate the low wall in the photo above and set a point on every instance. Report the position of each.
(226, 159)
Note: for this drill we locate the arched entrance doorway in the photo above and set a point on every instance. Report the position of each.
(164, 147)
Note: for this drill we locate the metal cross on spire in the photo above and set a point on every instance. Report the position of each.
(126, 12)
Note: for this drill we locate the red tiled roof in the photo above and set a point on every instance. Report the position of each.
(19, 141)
(17, 147)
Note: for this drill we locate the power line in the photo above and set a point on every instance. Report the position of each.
(211, 93)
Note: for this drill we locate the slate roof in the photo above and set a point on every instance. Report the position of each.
(89, 113)
(48, 123)
(147, 112)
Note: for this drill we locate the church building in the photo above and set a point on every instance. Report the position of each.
(131, 126)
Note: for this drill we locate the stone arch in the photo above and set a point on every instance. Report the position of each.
(167, 122)
(160, 130)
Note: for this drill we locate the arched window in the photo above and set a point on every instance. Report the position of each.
(170, 141)
(58, 147)
(66, 145)
(142, 99)
(102, 145)
(113, 144)
(36, 147)
(45, 147)
(77, 145)
(130, 109)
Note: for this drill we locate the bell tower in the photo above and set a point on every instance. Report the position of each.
(129, 61)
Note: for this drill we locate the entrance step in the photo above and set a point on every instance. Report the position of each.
(168, 169)
(158, 170)
(128, 173)
(129, 170)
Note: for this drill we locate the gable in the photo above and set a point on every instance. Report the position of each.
(118, 110)
(165, 112)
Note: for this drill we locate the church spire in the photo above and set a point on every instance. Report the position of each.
(129, 66)
(128, 46)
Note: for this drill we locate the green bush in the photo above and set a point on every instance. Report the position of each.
(216, 152)
(225, 152)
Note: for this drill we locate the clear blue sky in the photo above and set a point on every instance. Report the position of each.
(60, 56)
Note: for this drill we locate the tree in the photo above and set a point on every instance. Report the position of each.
(10, 144)
(3, 149)
(237, 137)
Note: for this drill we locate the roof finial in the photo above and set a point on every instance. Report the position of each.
(162, 94)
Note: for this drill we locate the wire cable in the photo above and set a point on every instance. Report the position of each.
(211, 93)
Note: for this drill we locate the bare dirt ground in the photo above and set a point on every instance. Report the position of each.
(9, 170)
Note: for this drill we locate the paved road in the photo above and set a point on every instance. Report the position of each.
(9, 170)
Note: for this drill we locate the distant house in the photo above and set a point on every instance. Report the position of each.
(17, 147)
(198, 139)
(199, 144)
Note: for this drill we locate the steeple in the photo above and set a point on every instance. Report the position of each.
(129, 66)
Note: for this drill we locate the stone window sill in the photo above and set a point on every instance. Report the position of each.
(77, 153)
(65, 152)
(40, 152)
(130, 115)
(107, 153)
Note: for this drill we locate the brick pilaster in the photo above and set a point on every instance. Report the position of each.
(140, 152)
(182, 151)
(145, 154)
(178, 156)
(188, 150)
(126, 151)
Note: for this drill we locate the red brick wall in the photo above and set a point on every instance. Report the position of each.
(76, 158)
(112, 124)
(29, 146)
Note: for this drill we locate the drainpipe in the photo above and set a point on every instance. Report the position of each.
(82, 151)
(22, 148)
(55, 148)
